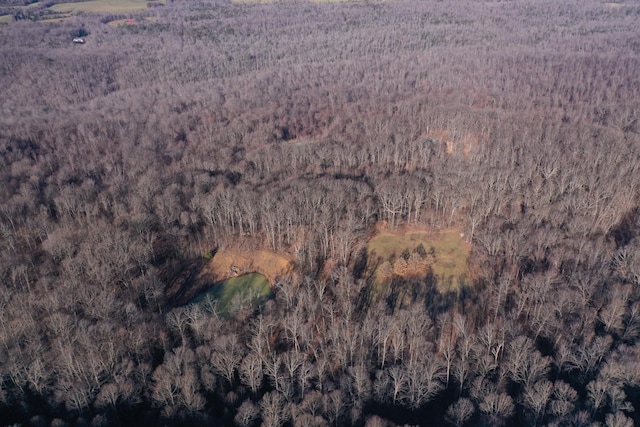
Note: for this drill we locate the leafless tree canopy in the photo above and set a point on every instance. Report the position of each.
(299, 127)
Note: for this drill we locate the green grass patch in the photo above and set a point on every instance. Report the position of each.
(101, 6)
(236, 292)
(450, 252)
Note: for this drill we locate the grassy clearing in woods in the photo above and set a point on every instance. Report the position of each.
(448, 252)
(236, 291)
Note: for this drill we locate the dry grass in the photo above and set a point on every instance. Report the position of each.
(117, 22)
(125, 21)
(232, 262)
(101, 6)
(451, 252)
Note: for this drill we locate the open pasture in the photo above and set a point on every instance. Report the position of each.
(101, 6)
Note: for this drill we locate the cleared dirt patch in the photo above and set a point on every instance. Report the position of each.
(415, 251)
(230, 263)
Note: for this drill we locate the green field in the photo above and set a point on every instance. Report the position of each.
(102, 6)
(65, 10)
(236, 292)
(451, 252)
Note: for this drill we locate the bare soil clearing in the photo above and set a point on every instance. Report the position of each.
(230, 263)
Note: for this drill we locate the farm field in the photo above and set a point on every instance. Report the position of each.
(101, 6)
(59, 12)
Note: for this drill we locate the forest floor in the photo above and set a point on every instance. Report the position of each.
(448, 254)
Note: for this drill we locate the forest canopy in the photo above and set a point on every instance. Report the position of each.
(182, 133)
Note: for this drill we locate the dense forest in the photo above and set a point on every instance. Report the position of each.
(127, 161)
